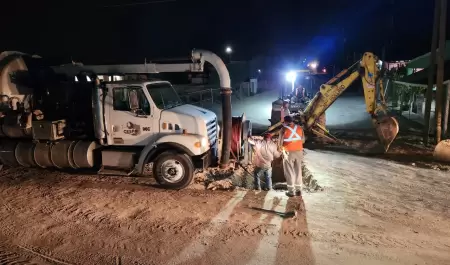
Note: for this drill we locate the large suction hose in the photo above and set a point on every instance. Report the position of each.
(225, 91)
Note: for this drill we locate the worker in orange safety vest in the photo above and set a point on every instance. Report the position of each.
(291, 142)
(284, 111)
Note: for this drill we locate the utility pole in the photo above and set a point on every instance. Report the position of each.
(429, 92)
(446, 111)
(440, 70)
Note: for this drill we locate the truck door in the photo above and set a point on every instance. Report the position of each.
(130, 117)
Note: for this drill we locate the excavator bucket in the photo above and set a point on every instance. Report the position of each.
(442, 151)
(387, 129)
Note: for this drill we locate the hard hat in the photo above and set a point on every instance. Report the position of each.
(267, 136)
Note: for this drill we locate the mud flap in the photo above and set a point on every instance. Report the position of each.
(387, 129)
(442, 151)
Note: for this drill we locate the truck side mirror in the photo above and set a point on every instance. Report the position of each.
(133, 100)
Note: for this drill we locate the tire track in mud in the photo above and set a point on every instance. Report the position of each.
(12, 258)
(266, 253)
(56, 203)
(197, 247)
(79, 211)
(76, 211)
(238, 229)
(366, 239)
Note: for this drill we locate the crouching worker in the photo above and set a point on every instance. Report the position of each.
(291, 142)
(265, 152)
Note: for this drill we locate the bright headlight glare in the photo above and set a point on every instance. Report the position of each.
(204, 142)
(291, 76)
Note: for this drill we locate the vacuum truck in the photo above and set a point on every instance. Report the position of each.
(66, 117)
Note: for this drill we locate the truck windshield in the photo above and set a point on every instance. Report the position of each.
(164, 95)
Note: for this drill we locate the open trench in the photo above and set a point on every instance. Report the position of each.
(240, 176)
(244, 177)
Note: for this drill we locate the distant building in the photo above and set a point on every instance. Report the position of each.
(423, 62)
(415, 68)
(394, 64)
(417, 76)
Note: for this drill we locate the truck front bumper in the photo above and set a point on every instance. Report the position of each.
(209, 158)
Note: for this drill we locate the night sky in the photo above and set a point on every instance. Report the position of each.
(124, 32)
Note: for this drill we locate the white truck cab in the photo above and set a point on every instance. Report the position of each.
(146, 122)
(120, 127)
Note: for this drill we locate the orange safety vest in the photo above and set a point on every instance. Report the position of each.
(293, 138)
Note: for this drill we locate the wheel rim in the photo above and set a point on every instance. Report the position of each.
(172, 171)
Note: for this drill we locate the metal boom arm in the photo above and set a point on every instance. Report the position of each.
(325, 98)
(386, 127)
(329, 93)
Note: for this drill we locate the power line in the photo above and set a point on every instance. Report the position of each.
(143, 3)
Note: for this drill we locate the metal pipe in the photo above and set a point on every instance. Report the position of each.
(217, 63)
(225, 91)
(227, 126)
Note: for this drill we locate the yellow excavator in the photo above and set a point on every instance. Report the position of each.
(313, 116)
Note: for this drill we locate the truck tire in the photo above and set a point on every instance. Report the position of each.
(173, 170)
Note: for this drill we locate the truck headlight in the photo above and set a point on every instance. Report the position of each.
(204, 142)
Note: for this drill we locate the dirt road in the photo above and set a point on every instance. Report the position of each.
(371, 212)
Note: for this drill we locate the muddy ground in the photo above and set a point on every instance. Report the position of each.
(372, 208)
(371, 211)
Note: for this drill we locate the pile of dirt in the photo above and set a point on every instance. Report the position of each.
(226, 179)
(407, 148)
(243, 177)
(238, 176)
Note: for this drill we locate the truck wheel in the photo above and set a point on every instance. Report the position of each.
(173, 170)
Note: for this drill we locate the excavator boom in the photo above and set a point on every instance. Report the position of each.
(325, 98)
(386, 127)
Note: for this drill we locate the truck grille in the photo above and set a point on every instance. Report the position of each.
(211, 128)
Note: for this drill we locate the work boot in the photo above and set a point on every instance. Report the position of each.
(298, 193)
(290, 194)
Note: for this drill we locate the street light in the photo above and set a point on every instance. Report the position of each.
(313, 65)
(290, 77)
(228, 50)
